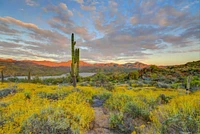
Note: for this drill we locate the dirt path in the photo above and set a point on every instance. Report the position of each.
(101, 121)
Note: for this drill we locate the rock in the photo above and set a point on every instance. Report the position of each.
(97, 103)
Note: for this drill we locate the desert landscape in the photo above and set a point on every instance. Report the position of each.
(100, 67)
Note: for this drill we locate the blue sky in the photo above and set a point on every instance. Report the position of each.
(161, 32)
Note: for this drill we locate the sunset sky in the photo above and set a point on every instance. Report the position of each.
(161, 32)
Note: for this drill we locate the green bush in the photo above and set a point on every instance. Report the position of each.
(163, 99)
(36, 80)
(53, 96)
(2, 120)
(5, 92)
(135, 110)
(109, 86)
(49, 121)
(180, 124)
(116, 120)
(117, 101)
(27, 95)
(102, 96)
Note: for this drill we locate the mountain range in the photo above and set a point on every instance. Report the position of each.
(137, 65)
(46, 68)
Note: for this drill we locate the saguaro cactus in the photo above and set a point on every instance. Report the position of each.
(29, 75)
(75, 61)
(188, 82)
(2, 77)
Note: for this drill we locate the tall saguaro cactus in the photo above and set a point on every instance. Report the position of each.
(29, 75)
(188, 82)
(2, 77)
(75, 61)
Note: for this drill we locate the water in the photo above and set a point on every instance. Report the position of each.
(46, 77)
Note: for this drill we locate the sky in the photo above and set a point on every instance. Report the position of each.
(161, 32)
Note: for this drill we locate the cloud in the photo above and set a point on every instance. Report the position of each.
(79, 1)
(32, 39)
(150, 28)
(88, 8)
(184, 51)
(31, 3)
(62, 21)
(6, 30)
(10, 20)
(34, 31)
(108, 21)
(134, 20)
(4, 44)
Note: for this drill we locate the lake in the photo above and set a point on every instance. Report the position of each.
(46, 77)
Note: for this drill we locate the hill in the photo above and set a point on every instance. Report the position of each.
(14, 67)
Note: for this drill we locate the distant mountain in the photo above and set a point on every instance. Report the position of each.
(137, 65)
(14, 67)
(7, 60)
(57, 64)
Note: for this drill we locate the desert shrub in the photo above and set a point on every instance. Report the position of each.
(162, 85)
(36, 80)
(5, 92)
(102, 96)
(55, 80)
(153, 75)
(147, 82)
(195, 83)
(116, 120)
(27, 95)
(84, 84)
(117, 101)
(91, 83)
(100, 79)
(109, 86)
(136, 110)
(14, 79)
(49, 120)
(176, 85)
(180, 115)
(180, 124)
(53, 96)
(4, 104)
(163, 99)
(133, 75)
(2, 120)
(129, 88)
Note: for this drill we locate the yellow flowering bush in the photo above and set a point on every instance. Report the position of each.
(182, 114)
(27, 112)
(37, 108)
